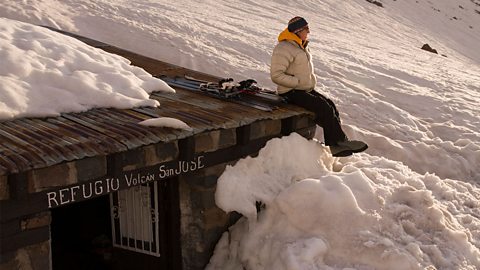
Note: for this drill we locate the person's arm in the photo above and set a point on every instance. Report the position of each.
(281, 60)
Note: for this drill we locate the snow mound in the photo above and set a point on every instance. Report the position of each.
(361, 212)
(166, 122)
(44, 73)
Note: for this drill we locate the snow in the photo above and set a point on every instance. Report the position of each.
(44, 73)
(411, 201)
(363, 212)
(166, 122)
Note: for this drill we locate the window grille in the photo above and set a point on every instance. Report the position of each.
(135, 218)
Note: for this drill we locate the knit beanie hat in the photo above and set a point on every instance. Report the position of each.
(297, 24)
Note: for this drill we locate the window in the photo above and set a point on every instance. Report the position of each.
(135, 219)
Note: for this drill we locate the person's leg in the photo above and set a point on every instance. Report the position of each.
(330, 102)
(326, 114)
(353, 146)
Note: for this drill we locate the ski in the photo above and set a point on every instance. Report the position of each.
(245, 90)
(246, 87)
(231, 95)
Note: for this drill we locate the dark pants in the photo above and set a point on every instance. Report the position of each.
(326, 114)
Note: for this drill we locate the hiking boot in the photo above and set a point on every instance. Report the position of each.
(340, 151)
(354, 146)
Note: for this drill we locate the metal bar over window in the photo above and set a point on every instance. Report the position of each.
(135, 217)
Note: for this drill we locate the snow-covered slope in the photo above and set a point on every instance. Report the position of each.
(414, 194)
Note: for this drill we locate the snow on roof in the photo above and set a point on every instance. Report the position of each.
(44, 73)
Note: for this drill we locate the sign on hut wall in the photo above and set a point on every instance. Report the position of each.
(109, 184)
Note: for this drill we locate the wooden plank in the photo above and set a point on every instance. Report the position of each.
(24, 239)
(33, 203)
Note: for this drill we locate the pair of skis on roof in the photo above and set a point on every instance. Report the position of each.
(245, 92)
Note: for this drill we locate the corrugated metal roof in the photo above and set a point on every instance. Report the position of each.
(31, 143)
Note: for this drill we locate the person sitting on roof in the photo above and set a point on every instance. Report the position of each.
(292, 70)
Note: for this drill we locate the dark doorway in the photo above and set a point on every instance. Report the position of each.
(81, 236)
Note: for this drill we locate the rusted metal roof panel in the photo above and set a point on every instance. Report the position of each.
(31, 143)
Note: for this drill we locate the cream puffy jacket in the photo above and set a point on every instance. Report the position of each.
(292, 66)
